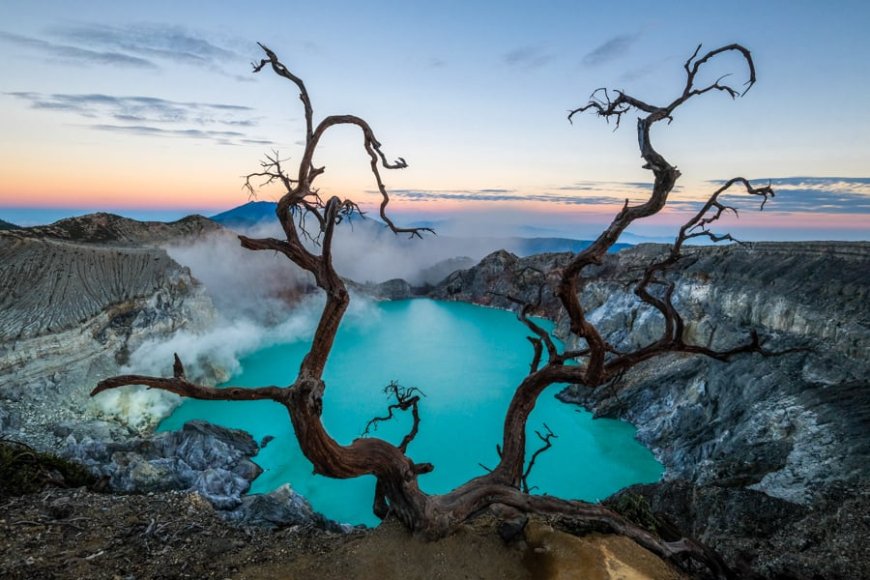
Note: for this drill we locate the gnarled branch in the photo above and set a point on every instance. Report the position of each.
(665, 177)
(179, 385)
(547, 440)
(406, 398)
(397, 489)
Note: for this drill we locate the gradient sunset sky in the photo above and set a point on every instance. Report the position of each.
(151, 110)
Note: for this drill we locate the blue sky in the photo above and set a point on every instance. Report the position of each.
(152, 108)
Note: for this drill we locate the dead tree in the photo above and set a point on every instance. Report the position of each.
(303, 213)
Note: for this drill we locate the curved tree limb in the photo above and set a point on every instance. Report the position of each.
(179, 385)
(665, 177)
(398, 492)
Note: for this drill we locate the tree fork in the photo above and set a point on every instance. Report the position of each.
(397, 491)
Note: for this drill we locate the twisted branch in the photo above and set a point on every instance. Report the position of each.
(406, 398)
(547, 440)
(397, 490)
(179, 385)
(665, 177)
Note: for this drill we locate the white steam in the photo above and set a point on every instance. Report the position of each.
(365, 250)
(259, 286)
(261, 299)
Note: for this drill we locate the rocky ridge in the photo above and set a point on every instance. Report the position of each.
(78, 297)
(72, 312)
(788, 434)
(107, 228)
(695, 412)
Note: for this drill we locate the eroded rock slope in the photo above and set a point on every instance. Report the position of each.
(73, 309)
(786, 439)
(785, 425)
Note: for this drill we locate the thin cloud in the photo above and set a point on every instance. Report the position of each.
(151, 116)
(146, 130)
(851, 184)
(635, 74)
(76, 54)
(527, 57)
(219, 137)
(645, 70)
(138, 46)
(499, 195)
(817, 194)
(628, 187)
(159, 41)
(610, 50)
(140, 108)
(605, 193)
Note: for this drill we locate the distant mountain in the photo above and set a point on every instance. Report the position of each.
(248, 215)
(631, 239)
(114, 229)
(8, 226)
(257, 212)
(530, 246)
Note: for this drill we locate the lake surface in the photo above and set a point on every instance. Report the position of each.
(467, 360)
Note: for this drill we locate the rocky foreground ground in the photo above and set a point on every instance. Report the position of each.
(80, 534)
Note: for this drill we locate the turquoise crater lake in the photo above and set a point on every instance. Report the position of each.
(467, 360)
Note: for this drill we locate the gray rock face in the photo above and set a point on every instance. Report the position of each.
(280, 508)
(212, 460)
(106, 228)
(437, 272)
(765, 537)
(502, 274)
(788, 425)
(767, 458)
(72, 311)
(396, 289)
(48, 286)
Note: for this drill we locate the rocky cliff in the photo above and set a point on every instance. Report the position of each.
(77, 298)
(795, 427)
(758, 421)
(73, 310)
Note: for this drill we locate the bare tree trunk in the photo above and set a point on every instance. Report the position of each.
(398, 493)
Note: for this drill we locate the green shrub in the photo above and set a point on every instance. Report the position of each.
(635, 508)
(25, 470)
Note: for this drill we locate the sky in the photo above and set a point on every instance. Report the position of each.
(151, 109)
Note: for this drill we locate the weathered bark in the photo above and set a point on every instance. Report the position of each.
(398, 493)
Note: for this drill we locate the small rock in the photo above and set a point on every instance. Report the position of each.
(60, 508)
